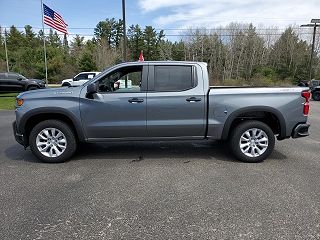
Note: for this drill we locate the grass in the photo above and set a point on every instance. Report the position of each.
(8, 94)
(54, 85)
(7, 101)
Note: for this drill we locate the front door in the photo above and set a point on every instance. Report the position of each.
(117, 110)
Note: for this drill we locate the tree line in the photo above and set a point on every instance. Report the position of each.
(237, 54)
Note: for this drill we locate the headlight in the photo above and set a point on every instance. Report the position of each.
(19, 102)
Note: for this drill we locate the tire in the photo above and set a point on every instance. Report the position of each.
(316, 96)
(255, 148)
(32, 88)
(66, 85)
(55, 138)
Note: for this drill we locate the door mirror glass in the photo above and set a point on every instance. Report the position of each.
(92, 88)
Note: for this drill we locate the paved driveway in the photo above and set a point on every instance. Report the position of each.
(189, 190)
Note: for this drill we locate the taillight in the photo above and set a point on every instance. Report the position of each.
(306, 95)
(306, 107)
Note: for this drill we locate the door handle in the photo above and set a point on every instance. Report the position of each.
(135, 100)
(193, 99)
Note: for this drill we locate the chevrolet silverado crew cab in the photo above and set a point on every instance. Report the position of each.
(159, 101)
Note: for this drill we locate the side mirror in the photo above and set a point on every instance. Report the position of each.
(19, 78)
(92, 88)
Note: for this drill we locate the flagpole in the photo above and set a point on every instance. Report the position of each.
(44, 45)
(5, 47)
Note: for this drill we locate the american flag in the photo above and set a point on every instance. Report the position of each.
(54, 20)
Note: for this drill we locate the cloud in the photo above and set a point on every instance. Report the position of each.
(212, 13)
(147, 5)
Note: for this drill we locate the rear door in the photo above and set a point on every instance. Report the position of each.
(176, 102)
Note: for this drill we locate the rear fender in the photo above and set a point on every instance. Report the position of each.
(237, 113)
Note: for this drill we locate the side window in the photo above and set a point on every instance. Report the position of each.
(12, 76)
(81, 76)
(173, 78)
(126, 79)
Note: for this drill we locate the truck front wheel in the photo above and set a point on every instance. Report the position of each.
(52, 141)
(252, 141)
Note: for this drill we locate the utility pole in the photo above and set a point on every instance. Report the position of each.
(6, 49)
(124, 30)
(314, 23)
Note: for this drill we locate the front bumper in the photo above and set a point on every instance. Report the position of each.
(301, 130)
(19, 137)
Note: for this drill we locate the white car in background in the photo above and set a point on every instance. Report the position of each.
(79, 79)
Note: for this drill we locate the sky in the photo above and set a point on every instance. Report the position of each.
(170, 15)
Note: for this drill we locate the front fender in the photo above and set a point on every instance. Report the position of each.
(76, 121)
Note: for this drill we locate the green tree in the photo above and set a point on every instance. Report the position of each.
(135, 41)
(54, 39)
(152, 41)
(178, 49)
(86, 61)
(290, 56)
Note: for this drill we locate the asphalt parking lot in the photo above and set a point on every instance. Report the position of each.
(173, 190)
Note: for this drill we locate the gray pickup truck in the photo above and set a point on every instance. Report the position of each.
(159, 101)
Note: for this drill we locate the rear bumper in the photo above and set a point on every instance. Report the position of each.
(301, 130)
(19, 137)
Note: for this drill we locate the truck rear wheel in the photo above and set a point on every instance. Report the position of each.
(252, 141)
(52, 141)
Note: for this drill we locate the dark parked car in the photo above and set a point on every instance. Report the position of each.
(315, 89)
(15, 82)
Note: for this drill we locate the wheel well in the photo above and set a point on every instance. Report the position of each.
(34, 120)
(32, 86)
(266, 117)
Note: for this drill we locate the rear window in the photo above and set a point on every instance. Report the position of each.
(173, 78)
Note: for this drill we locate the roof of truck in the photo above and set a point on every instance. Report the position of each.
(204, 64)
(162, 62)
(159, 62)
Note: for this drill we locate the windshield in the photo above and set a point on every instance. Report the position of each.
(22, 77)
